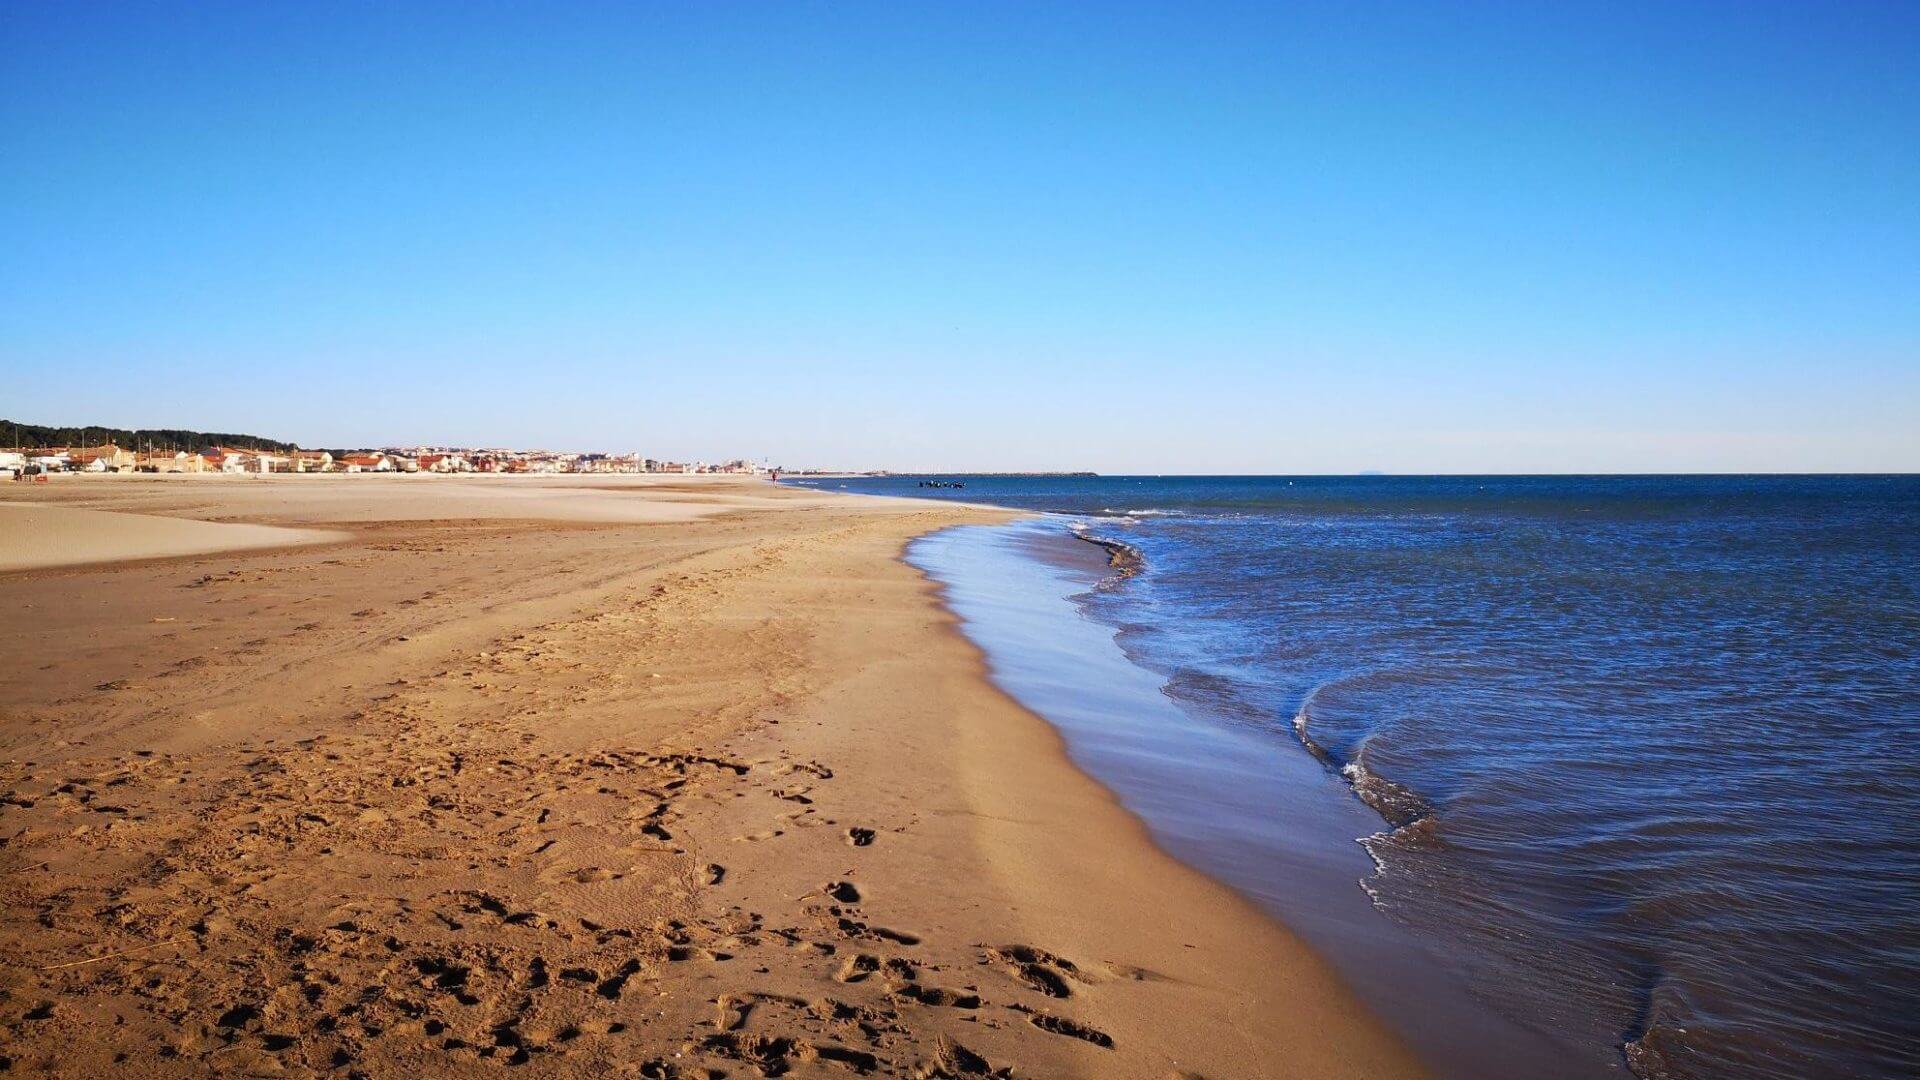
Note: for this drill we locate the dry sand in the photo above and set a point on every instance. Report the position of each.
(588, 777)
(33, 536)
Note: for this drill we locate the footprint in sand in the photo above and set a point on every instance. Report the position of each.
(731, 1012)
(856, 968)
(1060, 1025)
(1039, 969)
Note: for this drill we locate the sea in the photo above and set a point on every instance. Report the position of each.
(1566, 776)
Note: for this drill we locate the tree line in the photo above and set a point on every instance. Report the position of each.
(29, 435)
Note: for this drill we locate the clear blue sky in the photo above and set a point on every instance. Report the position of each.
(1177, 237)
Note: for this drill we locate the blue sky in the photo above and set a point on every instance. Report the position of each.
(1123, 237)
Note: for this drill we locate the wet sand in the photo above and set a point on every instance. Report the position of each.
(591, 776)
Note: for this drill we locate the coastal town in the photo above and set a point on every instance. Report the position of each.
(39, 462)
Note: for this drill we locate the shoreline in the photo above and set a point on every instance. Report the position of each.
(784, 819)
(1281, 831)
(1324, 1030)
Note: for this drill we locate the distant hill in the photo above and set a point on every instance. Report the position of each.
(16, 434)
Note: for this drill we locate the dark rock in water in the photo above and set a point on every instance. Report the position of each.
(1123, 557)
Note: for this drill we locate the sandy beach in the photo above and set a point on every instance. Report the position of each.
(654, 776)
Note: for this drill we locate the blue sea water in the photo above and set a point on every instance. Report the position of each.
(1640, 755)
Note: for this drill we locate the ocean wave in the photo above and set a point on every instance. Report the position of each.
(1307, 740)
(1397, 803)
